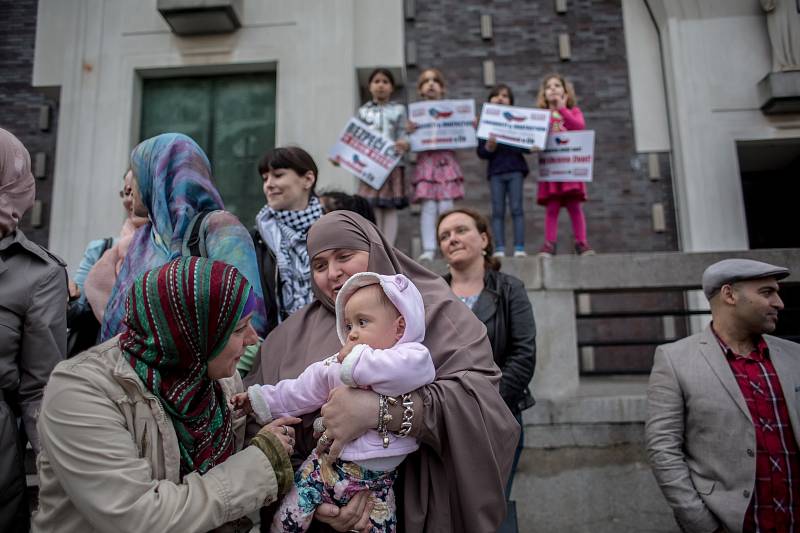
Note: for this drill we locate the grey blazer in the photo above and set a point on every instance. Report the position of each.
(700, 437)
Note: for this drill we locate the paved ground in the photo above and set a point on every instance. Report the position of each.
(589, 490)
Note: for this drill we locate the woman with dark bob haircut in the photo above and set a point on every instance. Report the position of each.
(289, 177)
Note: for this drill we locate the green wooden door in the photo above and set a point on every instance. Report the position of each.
(231, 117)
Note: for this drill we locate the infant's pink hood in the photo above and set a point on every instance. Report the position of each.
(401, 292)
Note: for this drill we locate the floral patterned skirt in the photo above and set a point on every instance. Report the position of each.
(321, 481)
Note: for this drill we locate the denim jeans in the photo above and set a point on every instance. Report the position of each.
(502, 185)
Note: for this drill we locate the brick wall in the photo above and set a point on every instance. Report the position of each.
(524, 49)
(20, 103)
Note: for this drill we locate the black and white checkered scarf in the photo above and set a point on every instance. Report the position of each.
(292, 254)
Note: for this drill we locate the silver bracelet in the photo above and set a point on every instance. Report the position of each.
(408, 414)
(383, 419)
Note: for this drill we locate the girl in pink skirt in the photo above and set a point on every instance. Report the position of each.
(557, 94)
(438, 179)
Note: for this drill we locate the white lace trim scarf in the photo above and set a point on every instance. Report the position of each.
(289, 229)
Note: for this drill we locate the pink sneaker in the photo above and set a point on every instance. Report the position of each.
(548, 249)
(582, 248)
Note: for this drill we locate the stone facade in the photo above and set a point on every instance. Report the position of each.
(20, 103)
(524, 48)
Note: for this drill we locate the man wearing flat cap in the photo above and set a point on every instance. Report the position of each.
(723, 421)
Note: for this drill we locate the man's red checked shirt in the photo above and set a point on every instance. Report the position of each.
(775, 504)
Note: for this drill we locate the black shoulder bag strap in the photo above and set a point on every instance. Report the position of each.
(194, 241)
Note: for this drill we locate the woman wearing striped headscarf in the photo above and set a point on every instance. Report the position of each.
(137, 434)
(172, 184)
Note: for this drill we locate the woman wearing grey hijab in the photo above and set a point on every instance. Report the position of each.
(467, 435)
(33, 336)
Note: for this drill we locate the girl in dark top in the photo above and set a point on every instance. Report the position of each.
(505, 172)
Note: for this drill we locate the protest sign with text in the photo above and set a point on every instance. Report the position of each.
(522, 127)
(442, 124)
(568, 156)
(365, 153)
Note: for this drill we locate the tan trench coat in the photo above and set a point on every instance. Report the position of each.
(110, 458)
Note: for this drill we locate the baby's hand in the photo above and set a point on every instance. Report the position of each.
(242, 401)
(345, 351)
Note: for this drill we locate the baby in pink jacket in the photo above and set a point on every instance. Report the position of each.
(381, 323)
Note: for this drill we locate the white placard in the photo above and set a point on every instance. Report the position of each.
(523, 127)
(365, 153)
(442, 124)
(568, 156)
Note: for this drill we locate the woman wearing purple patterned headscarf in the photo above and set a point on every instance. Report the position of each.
(172, 184)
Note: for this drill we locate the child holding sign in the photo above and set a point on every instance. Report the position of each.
(505, 171)
(389, 118)
(438, 179)
(558, 95)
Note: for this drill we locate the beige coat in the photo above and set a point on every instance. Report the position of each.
(700, 436)
(110, 459)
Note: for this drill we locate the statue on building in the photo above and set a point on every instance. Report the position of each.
(783, 25)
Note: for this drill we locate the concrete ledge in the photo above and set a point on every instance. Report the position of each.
(588, 410)
(527, 269)
(582, 435)
(596, 400)
(634, 271)
(663, 271)
(779, 92)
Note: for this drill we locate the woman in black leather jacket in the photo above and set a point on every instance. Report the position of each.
(498, 300)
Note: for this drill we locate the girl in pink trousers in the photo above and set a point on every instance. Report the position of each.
(558, 95)
(381, 323)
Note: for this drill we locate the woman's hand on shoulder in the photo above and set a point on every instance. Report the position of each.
(352, 517)
(348, 414)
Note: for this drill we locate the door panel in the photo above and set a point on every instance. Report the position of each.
(181, 105)
(231, 117)
(244, 126)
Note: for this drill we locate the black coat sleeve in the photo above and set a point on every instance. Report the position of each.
(483, 153)
(520, 358)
